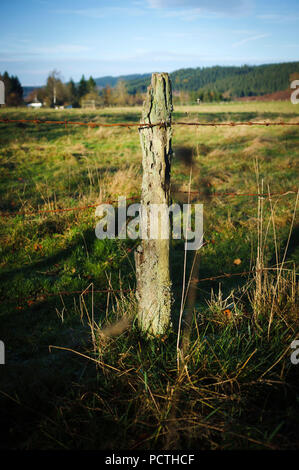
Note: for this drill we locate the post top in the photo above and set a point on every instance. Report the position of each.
(157, 106)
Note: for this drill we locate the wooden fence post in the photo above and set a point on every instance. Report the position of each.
(152, 255)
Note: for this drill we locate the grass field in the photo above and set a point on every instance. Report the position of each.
(239, 389)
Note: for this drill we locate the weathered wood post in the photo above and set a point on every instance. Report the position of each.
(152, 255)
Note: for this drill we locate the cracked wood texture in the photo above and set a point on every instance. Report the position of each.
(152, 255)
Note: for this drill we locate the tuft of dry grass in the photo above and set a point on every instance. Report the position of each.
(123, 182)
(217, 153)
(257, 145)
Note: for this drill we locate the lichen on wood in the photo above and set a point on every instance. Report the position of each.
(152, 255)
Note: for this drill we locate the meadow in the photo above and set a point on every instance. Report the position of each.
(69, 380)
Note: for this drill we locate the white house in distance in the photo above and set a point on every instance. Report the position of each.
(34, 104)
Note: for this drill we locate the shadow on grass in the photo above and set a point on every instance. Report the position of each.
(86, 238)
(230, 116)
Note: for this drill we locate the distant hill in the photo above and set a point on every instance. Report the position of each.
(112, 81)
(227, 81)
(28, 89)
(233, 81)
(283, 95)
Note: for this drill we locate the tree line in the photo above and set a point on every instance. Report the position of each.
(13, 89)
(225, 83)
(57, 93)
(206, 84)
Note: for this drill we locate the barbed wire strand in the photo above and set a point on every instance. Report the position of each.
(65, 209)
(44, 295)
(197, 193)
(142, 125)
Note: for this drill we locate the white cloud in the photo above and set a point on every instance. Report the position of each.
(40, 53)
(278, 18)
(251, 38)
(61, 49)
(103, 12)
(214, 6)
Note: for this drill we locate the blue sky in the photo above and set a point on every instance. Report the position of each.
(101, 37)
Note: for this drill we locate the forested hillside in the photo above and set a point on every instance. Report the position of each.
(207, 83)
(112, 81)
(228, 81)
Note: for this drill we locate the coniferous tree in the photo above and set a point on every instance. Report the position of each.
(73, 93)
(231, 81)
(91, 85)
(83, 87)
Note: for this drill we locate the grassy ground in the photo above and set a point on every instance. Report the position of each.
(238, 388)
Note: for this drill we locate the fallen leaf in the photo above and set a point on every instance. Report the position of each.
(41, 297)
(227, 312)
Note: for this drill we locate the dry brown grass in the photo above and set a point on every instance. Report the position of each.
(77, 148)
(217, 153)
(124, 182)
(105, 132)
(257, 145)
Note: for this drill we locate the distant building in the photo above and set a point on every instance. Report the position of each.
(34, 104)
(2, 92)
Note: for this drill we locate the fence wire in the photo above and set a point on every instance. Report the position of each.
(140, 125)
(134, 198)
